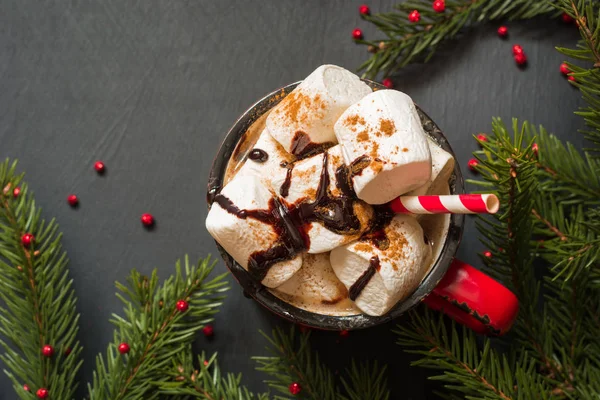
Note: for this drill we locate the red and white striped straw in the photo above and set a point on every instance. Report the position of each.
(455, 204)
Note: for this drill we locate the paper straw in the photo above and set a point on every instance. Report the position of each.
(455, 204)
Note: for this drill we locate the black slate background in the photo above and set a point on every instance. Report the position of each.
(150, 87)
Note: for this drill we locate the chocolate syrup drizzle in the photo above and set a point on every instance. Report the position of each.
(291, 222)
(364, 279)
(258, 155)
(284, 190)
(303, 147)
(291, 241)
(336, 213)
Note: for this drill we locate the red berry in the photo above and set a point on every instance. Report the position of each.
(16, 192)
(42, 393)
(208, 331)
(357, 34)
(482, 137)
(516, 49)
(67, 351)
(26, 388)
(572, 79)
(73, 200)
(147, 219)
(472, 164)
(564, 69)
(345, 333)
(535, 148)
(27, 239)
(182, 305)
(205, 363)
(124, 348)
(99, 167)
(387, 82)
(521, 59)
(439, 6)
(295, 388)
(567, 18)
(487, 254)
(414, 16)
(48, 351)
(364, 10)
(503, 31)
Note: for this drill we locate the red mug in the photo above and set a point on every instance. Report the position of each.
(462, 292)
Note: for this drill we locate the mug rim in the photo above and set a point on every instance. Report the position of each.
(297, 315)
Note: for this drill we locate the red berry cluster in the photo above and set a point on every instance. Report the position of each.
(519, 55)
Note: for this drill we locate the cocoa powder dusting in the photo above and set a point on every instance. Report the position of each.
(352, 120)
(387, 127)
(363, 136)
(405, 149)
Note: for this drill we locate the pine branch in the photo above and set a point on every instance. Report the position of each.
(155, 329)
(406, 42)
(292, 360)
(204, 380)
(467, 370)
(507, 164)
(39, 300)
(586, 14)
(569, 176)
(366, 381)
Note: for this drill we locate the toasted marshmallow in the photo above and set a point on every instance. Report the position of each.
(242, 237)
(395, 271)
(266, 159)
(315, 282)
(383, 134)
(303, 186)
(442, 165)
(305, 117)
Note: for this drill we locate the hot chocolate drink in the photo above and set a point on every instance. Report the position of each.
(303, 207)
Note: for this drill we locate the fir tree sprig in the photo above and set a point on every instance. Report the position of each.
(39, 301)
(406, 42)
(203, 379)
(155, 329)
(468, 369)
(293, 360)
(587, 16)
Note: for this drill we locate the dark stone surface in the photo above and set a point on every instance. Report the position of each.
(151, 87)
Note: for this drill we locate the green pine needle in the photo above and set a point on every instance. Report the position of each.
(155, 330)
(405, 42)
(203, 380)
(39, 301)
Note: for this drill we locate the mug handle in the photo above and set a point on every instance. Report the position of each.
(474, 299)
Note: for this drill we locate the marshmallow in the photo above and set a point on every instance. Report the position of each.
(304, 119)
(245, 237)
(265, 159)
(442, 165)
(382, 134)
(301, 184)
(386, 275)
(315, 282)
